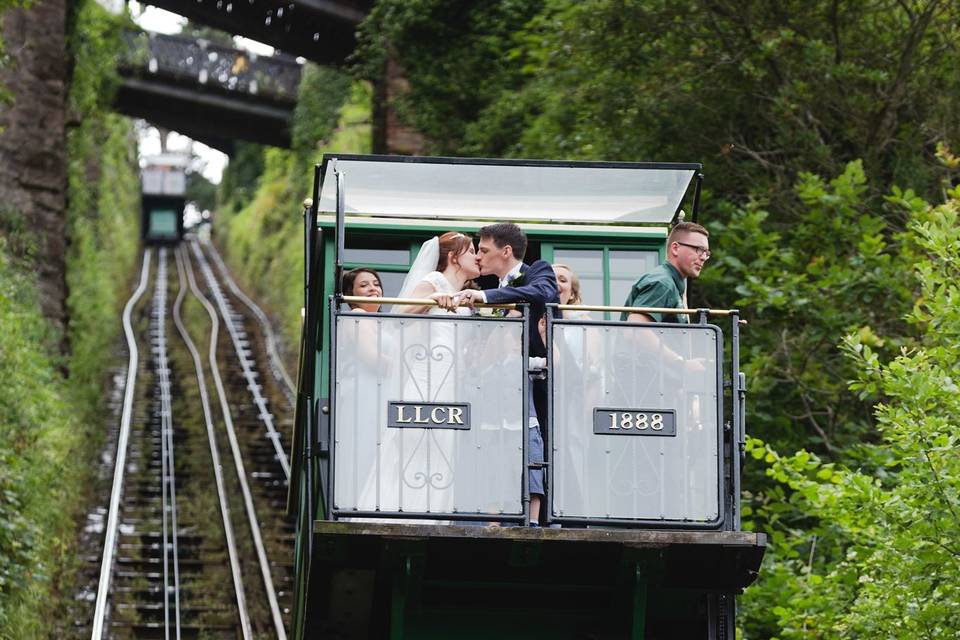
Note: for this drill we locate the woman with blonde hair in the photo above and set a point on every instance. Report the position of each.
(569, 285)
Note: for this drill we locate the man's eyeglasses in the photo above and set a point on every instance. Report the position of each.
(702, 252)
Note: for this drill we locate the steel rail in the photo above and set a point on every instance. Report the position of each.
(279, 371)
(235, 450)
(225, 312)
(167, 463)
(235, 570)
(110, 542)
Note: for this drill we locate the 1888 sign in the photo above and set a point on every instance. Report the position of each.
(634, 422)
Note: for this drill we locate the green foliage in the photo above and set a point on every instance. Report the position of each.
(49, 424)
(263, 237)
(322, 94)
(104, 200)
(19, 238)
(768, 96)
(201, 192)
(841, 266)
(241, 177)
(872, 551)
(6, 5)
(323, 91)
(455, 54)
(38, 434)
(758, 91)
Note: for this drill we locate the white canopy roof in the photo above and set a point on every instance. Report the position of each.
(475, 189)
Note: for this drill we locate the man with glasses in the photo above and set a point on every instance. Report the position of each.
(688, 248)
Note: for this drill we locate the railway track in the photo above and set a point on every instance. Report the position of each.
(195, 540)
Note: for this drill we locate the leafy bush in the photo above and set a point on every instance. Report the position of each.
(871, 551)
(37, 474)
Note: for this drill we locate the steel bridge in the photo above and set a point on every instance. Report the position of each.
(217, 94)
(322, 31)
(209, 92)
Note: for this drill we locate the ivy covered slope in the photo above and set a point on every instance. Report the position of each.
(51, 404)
(259, 222)
(103, 217)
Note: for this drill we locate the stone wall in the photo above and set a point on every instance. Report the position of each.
(390, 134)
(33, 155)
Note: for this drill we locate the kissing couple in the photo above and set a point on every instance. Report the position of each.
(441, 272)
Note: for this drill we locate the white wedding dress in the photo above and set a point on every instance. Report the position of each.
(415, 472)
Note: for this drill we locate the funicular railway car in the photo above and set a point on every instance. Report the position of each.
(163, 182)
(411, 430)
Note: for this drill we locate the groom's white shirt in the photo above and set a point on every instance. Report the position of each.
(505, 280)
(513, 273)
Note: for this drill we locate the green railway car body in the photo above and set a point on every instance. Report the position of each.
(645, 539)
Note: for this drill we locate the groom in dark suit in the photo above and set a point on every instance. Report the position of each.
(500, 252)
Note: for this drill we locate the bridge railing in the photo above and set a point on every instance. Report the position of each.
(201, 61)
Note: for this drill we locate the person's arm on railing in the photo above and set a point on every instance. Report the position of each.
(423, 290)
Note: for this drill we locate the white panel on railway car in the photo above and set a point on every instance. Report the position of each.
(468, 367)
(513, 191)
(619, 392)
(175, 183)
(159, 181)
(152, 181)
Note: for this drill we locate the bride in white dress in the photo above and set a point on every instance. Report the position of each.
(416, 468)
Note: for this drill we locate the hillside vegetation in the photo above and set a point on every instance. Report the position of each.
(52, 403)
(259, 221)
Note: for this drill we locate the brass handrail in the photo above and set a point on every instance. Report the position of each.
(670, 310)
(416, 302)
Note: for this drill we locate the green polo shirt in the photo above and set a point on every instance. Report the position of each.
(662, 287)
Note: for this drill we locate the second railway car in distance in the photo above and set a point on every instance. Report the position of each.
(163, 198)
(415, 527)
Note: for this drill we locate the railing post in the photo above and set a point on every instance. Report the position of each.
(548, 445)
(309, 350)
(525, 476)
(737, 444)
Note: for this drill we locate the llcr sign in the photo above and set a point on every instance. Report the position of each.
(428, 415)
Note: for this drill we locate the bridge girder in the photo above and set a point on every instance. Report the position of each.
(207, 91)
(214, 119)
(322, 31)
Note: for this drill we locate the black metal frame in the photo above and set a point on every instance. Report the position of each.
(311, 334)
(696, 167)
(695, 210)
(334, 513)
(691, 166)
(727, 508)
(738, 393)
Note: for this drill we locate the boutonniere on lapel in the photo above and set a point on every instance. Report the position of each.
(516, 280)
